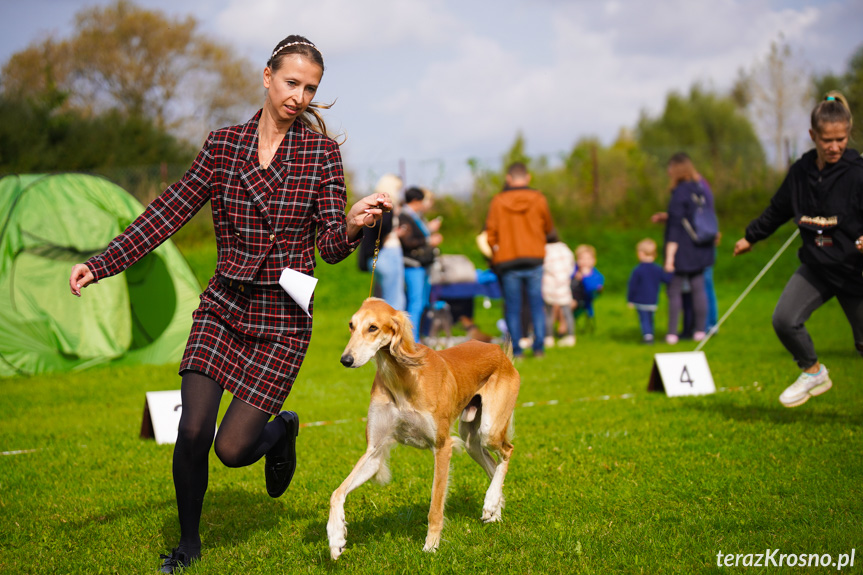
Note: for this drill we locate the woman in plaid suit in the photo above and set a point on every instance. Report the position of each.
(276, 188)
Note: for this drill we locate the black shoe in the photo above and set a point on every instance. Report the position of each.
(177, 560)
(282, 461)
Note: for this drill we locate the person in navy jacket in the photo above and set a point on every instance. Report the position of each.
(277, 189)
(823, 194)
(644, 285)
(684, 258)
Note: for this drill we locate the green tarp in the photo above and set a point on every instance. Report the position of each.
(49, 223)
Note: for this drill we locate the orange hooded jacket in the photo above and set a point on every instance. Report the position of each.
(518, 222)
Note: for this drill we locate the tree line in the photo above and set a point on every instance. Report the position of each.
(623, 183)
(130, 87)
(132, 92)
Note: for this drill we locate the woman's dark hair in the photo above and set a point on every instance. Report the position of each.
(413, 194)
(833, 108)
(686, 171)
(296, 44)
(679, 158)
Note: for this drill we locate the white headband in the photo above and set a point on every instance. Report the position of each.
(283, 46)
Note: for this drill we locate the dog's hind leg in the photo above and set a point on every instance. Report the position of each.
(493, 504)
(442, 456)
(496, 471)
(469, 433)
(496, 431)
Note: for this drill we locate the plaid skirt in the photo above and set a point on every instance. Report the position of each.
(232, 343)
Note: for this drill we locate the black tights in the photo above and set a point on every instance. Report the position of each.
(244, 437)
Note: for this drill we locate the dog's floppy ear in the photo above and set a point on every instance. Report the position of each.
(402, 345)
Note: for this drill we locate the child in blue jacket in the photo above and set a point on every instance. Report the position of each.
(644, 284)
(587, 281)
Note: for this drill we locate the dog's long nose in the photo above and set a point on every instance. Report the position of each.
(347, 360)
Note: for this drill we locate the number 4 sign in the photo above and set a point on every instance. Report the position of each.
(684, 373)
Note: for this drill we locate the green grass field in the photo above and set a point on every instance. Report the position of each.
(634, 484)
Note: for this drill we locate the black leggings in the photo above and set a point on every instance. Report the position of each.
(244, 437)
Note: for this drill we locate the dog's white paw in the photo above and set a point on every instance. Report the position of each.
(491, 515)
(492, 507)
(432, 543)
(337, 533)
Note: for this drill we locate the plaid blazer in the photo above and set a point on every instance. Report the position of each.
(264, 221)
(259, 230)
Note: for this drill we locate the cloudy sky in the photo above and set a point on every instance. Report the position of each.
(435, 82)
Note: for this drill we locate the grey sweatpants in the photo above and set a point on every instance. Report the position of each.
(804, 293)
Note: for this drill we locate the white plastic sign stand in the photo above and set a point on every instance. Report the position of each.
(162, 416)
(684, 373)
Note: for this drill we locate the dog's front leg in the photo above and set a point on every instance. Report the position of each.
(379, 441)
(337, 530)
(442, 457)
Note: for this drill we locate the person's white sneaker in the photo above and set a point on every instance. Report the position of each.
(805, 387)
(566, 341)
(549, 341)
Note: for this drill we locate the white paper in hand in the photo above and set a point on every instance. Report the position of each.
(299, 286)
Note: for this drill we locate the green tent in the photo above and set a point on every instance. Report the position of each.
(47, 224)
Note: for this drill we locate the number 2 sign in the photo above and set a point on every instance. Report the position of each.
(683, 373)
(162, 411)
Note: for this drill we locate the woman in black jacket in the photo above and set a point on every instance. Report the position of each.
(823, 193)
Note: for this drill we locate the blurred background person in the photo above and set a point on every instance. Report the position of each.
(587, 282)
(420, 240)
(644, 286)
(517, 225)
(557, 269)
(709, 287)
(684, 257)
(389, 271)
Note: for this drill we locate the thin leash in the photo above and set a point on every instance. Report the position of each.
(377, 250)
(715, 328)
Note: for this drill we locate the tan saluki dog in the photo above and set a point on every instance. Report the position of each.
(417, 395)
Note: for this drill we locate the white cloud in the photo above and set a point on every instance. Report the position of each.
(578, 69)
(449, 79)
(338, 27)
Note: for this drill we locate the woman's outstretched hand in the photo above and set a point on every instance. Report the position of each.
(742, 246)
(81, 277)
(366, 212)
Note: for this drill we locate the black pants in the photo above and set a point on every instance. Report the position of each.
(805, 292)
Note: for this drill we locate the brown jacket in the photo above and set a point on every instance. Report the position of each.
(517, 224)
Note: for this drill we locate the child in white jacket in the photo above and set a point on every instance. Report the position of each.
(557, 269)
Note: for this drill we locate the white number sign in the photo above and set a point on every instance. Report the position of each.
(683, 373)
(162, 416)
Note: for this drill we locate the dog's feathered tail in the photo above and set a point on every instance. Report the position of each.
(457, 444)
(507, 346)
